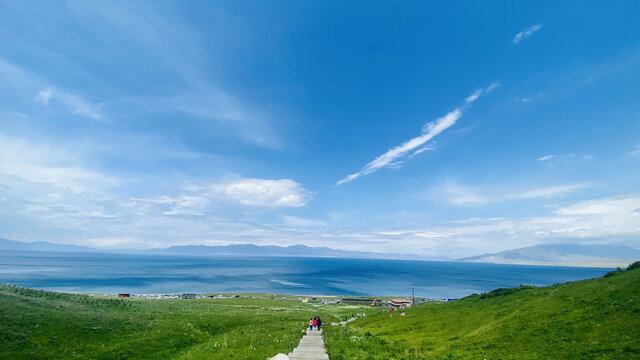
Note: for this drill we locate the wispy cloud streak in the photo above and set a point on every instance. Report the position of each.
(526, 33)
(461, 195)
(429, 131)
(73, 102)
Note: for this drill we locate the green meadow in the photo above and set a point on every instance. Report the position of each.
(590, 319)
(46, 325)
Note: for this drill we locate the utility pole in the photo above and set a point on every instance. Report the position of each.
(413, 294)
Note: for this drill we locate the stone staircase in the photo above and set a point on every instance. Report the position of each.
(311, 347)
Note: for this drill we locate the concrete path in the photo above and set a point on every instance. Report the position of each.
(311, 347)
(343, 322)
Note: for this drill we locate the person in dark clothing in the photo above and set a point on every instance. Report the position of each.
(319, 323)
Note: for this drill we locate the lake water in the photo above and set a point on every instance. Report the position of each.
(146, 274)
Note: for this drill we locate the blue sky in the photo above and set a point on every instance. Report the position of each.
(440, 129)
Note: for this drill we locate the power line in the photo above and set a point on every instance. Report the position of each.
(413, 294)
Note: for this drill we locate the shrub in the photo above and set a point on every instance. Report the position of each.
(635, 265)
(505, 291)
(614, 272)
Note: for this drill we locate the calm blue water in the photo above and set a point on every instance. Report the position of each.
(112, 273)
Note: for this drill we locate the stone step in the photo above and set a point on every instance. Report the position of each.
(311, 347)
(307, 350)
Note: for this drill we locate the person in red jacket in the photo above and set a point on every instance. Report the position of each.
(315, 323)
(390, 313)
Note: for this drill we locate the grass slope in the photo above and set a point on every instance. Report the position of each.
(590, 319)
(45, 325)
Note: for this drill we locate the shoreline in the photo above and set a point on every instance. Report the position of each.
(233, 295)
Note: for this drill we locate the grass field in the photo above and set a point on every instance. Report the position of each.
(590, 319)
(46, 325)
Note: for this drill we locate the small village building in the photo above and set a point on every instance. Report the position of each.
(324, 301)
(357, 301)
(124, 295)
(400, 303)
(188, 296)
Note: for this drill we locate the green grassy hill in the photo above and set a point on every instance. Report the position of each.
(45, 325)
(590, 319)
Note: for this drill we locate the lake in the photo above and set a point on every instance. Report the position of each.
(159, 274)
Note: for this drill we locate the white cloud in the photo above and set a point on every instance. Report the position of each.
(606, 219)
(607, 206)
(176, 46)
(636, 151)
(117, 222)
(526, 33)
(300, 222)
(546, 157)
(121, 243)
(492, 87)
(194, 205)
(248, 193)
(264, 193)
(431, 235)
(22, 80)
(44, 163)
(429, 131)
(473, 97)
(548, 192)
(540, 95)
(421, 150)
(227, 110)
(463, 195)
(73, 102)
(43, 97)
(599, 221)
(100, 214)
(570, 158)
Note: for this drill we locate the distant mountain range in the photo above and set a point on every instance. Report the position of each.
(563, 254)
(6, 244)
(271, 250)
(203, 250)
(559, 254)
